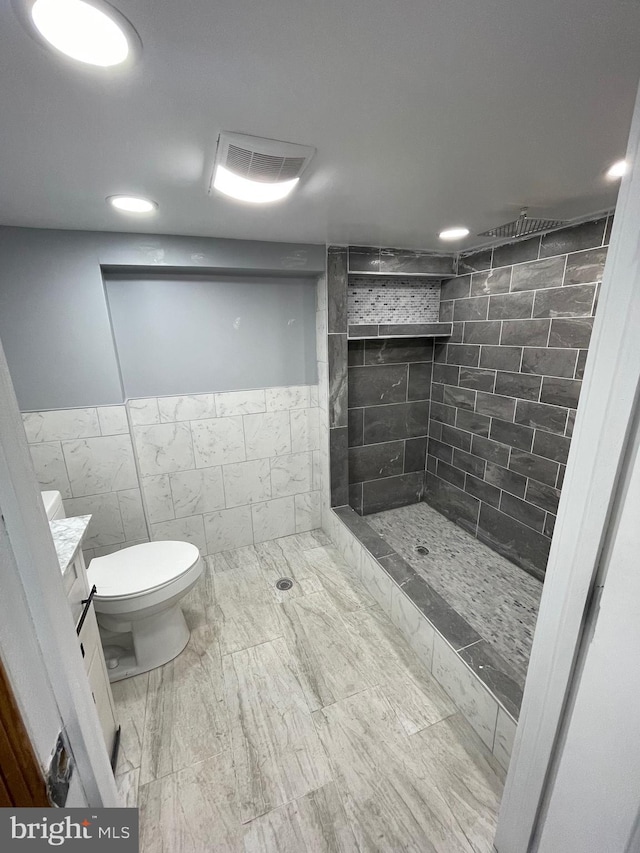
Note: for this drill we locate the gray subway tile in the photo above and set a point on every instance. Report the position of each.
(355, 497)
(450, 474)
(440, 450)
(356, 427)
(520, 385)
(511, 306)
(362, 331)
(472, 422)
(545, 361)
(355, 353)
(375, 386)
(415, 454)
(338, 380)
(536, 467)
(482, 490)
(393, 492)
(551, 446)
(479, 379)
(549, 525)
(397, 568)
(491, 281)
(398, 351)
(474, 308)
(407, 261)
(514, 435)
(574, 332)
(545, 497)
(456, 437)
(452, 502)
(456, 288)
(337, 289)
(492, 451)
(446, 310)
(504, 479)
(541, 416)
(437, 392)
(469, 463)
(560, 478)
(538, 274)
(457, 333)
(501, 358)
(414, 329)
(573, 238)
(522, 511)
(560, 392)
(495, 406)
(473, 261)
(581, 363)
(463, 398)
(339, 466)
(571, 422)
(516, 253)
(514, 540)
(373, 461)
(531, 333)
(463, 354)
(482, 332)
(400, 420)
(447, 374)
(364, 259)
(495, 673)
(585, 267)
(443, 413)
(574, 301)
(419, 387)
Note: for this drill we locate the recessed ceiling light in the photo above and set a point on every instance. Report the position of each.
(246, 190)
(453, 233)
(94, 33)
(132, 204)
(618, 170)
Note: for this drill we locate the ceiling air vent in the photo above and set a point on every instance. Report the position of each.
(254, 169)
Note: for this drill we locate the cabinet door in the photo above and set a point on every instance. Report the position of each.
(96, 670)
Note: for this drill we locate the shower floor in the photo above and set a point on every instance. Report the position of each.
(496, 597)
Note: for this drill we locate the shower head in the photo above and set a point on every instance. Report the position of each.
(522, 226)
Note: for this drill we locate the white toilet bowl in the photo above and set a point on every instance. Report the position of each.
(137, 603)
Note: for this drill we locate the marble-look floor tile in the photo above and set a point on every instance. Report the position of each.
(315, 823)
(186, 717)
(284, 558)
(415, 696)
(127, 787)
(130, 697)
(192, 811)
(247, 610)
(337, 579)
(465, 773)
(277, 754)
(330, 660)
(387, 790)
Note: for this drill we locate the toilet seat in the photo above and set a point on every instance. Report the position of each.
(141, 569)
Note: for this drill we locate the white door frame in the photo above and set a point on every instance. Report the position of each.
(605, 414)
(38, 642)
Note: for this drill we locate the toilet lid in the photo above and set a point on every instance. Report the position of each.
(141, 568)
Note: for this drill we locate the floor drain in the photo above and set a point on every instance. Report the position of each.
(284, 583)
(422, 550)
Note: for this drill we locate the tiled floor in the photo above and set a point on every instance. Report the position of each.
(496, 597)
(299, 721)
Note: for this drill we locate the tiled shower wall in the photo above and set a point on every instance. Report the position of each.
(389, 390)
(219, 470)
(506, 386)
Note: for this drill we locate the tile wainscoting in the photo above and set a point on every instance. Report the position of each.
(219, 470)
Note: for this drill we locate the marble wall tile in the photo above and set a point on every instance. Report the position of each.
(266, 434)
(308, 511)
(197, 491)
(291, 474)
(144, 411)
(189, 407)
(273, 519)
(247, 482)
(98, 465)
(158, 498)
(228, 529)
(337, 289)
(231, 403)
(105, 527)
(313, 396)
(61, 424)
(217, 441)
(480, 709)
(505, 735)
(163, 448)
(289, 397)
(188, 529)
(338, 388)
(133, 520)
(304, 430)
(113, 420)
(51, 471)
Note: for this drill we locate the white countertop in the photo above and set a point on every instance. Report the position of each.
(68, 534)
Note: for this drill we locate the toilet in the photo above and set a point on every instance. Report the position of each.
(137, 600)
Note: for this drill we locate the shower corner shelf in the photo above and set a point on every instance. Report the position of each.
(401, 330)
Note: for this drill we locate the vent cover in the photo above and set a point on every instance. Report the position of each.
(522, 226)
(267, 161)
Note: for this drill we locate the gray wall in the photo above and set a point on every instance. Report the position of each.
(54, 323)
(214, 333)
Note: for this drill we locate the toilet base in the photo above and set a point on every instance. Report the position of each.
(146, 643)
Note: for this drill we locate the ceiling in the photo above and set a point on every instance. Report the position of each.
(425, 114)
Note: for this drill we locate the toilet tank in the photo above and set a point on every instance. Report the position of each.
(53, 505)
